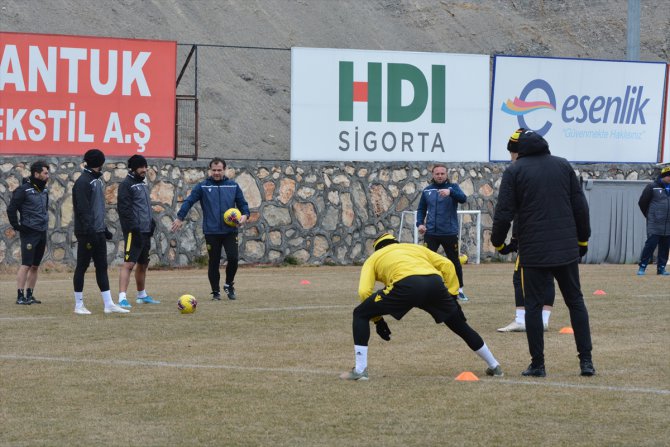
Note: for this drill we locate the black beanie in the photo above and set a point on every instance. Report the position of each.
(136, 161)
(94, 158)
(513, 143)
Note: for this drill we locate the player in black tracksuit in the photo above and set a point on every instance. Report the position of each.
(88, 202)
(541, 193)
(136, 217)
(31, 202)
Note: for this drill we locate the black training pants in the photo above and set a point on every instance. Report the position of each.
(95, 247)
(424, 292)
(214, 244)
(450, 246)
(535, 282)
(549, 288)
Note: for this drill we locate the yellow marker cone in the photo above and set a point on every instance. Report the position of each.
(467, 376)
(566, 330)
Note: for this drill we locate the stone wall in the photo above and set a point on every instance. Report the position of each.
(312, 213)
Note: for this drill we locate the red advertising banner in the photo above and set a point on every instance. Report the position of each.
(63, 95)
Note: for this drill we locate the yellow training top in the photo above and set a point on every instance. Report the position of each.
(397, 261)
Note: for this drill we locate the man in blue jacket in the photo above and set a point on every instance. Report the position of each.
(216, 194)
(437, 219)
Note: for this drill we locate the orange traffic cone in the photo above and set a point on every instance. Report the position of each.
(467, 376)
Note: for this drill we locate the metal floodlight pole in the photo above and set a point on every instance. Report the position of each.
(633, 31)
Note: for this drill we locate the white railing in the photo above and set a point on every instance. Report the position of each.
(415, 233)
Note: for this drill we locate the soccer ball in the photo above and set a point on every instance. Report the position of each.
(232, 217)
(463, 258)
(187, 304)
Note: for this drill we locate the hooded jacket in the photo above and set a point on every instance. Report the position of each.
(31, 201)
(541, 193)
(215, 198)
(88, 202)
(134, 205)
(439, 213)
(655, 205)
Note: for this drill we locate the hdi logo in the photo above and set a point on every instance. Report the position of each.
(352, 91)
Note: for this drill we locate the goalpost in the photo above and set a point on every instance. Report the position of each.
(469, 231)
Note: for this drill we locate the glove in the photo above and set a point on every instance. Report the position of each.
(383, 329)
(583, 249)
(17, 228)
(509, 248)
(108, 235)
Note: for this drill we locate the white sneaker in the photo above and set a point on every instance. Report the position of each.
(353, 375)
(116, 309)
(82, 311)
(513, 327)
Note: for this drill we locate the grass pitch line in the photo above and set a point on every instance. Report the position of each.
(26, 318)
(143, 363)
(280, 309)
(161, 312)
(625, 389)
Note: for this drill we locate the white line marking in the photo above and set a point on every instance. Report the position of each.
(583, 386)
(25, 318)
(157, 312)
(279, 309)
(142, 363)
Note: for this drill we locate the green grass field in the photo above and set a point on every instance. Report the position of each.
(263, 370)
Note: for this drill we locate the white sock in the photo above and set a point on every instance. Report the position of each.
(78, 300)
(122, 296)
(361, 356)
(460, 290)
(485, 353)
(545, 317)
(142, 294)
(521, 316)
(107, 298)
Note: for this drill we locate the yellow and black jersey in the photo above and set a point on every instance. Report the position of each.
(397, 261)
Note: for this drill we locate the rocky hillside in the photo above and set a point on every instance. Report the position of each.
(245, 93)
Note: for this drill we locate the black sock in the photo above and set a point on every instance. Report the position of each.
(29, 292)
(19, 292)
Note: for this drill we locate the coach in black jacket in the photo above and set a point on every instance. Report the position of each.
(552, 220)
(655, 205)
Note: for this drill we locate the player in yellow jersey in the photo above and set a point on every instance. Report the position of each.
(414, 276)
